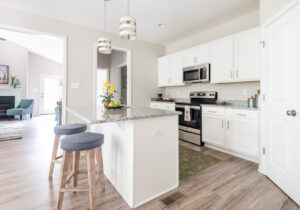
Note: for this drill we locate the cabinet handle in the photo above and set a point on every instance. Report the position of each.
(237, 74)
(196, 59)
(211, 111)
(227, 124)
(231, 74)
(222, 123)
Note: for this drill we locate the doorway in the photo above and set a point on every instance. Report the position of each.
(50, 93)
(115, 68)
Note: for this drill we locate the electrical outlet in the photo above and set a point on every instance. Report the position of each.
(158, 132)
(75, 85)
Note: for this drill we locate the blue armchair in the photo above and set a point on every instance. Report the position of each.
(25, 107)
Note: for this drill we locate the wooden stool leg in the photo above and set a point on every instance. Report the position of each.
(91, 177)
(100, 167)
(66, 161)
(54, 152)
(76, 168)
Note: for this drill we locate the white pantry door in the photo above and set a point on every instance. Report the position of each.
(282, 106)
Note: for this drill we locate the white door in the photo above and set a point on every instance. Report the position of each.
(247, 55)
(281, 82)
(163, 71)
(176, 67)
(50, 93)
(222, 60)
(213, 130)
(242, 136)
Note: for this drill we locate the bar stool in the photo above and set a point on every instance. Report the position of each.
(60, 130)
(90, 143)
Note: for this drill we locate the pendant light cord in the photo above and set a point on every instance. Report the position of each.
(128, 8)
(105, 17)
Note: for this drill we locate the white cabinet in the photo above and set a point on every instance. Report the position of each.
(196, 55)
(221, 54)
(247, 56)
(164, 71)
(163, 105)
(232, 130)
(242, 136)
(170, 70)
(213, 130)
(236, 58)
(176, 60)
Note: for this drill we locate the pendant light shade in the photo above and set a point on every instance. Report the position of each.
(128, 26)
(104, 43)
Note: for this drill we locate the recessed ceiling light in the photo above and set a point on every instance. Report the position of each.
(162, 25)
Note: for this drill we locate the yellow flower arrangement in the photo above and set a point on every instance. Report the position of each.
(110, 90)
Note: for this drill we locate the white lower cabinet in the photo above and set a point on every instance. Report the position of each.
(232, 130)
(215, 136)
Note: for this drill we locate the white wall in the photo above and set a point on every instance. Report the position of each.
(269, 7)
(37, 66)
(240, 91)
(16, 57)
(80, 58)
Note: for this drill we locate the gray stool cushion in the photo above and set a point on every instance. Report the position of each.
(82, 141)
(70, 129)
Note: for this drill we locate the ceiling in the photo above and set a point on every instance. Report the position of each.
(43, 45)
(182, 17)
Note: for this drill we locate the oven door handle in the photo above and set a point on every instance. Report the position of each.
(192, 107)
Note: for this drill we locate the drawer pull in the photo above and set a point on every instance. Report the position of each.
(243, 115)
(212, 111)
(227, 124)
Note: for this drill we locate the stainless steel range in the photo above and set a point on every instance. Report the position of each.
(190, 122)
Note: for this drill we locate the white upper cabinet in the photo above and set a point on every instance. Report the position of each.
(170, 70)
(164, 71)
(221, 55)
(176, 66)
(247, 56)
(196, 55)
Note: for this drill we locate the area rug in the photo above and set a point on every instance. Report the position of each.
(191, 162)
(11, 130)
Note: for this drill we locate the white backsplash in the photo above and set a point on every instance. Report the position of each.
(230, 91)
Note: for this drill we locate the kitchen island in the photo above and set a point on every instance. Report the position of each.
(140, 151)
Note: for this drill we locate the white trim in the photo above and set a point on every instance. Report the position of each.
(129, 74)
(238, 154)
(64, 61)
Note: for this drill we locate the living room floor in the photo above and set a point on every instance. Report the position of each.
(233, 183)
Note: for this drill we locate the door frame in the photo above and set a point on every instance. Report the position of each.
(64, 75)
(129, 74)
(263, 143)
(42, 76)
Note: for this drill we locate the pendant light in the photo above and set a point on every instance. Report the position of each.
(104, 43)
(128, 26)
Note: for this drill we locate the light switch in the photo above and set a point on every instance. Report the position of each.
(158, 132)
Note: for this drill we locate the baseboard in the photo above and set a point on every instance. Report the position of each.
(155, 196)
(246, 157)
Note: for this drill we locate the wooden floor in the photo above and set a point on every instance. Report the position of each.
(231, 184)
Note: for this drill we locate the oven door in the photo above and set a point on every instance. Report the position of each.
(195, 122)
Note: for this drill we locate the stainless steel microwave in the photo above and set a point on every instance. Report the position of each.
(199, 73)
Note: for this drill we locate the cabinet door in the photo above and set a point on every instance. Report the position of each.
(213, 130)
(189, 57)
(243, 136)
(176, 67)
(163, 71)
(247, 55)
(202, 54)
(222, 60)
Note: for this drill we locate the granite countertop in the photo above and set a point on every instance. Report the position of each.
(97, 115)
(231, 106)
